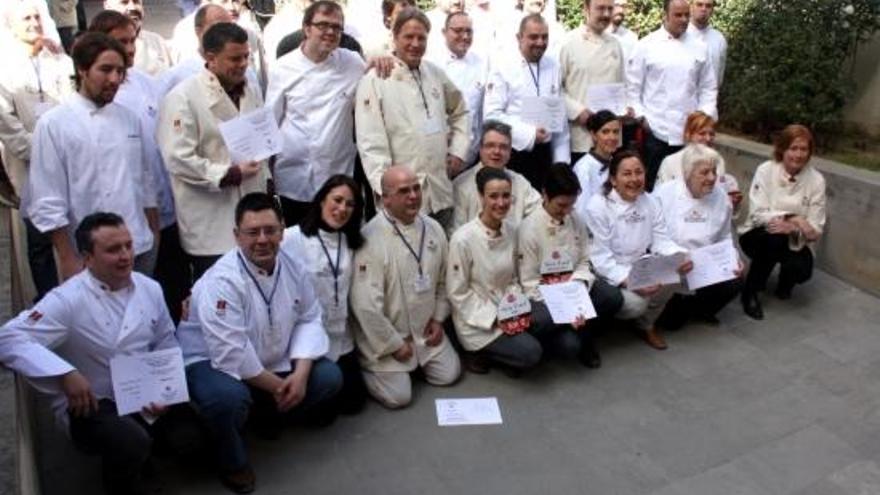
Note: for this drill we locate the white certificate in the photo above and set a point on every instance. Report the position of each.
(252, 137)
(607, 97)
(567, 301)
(156, 377)
(544, 111)
(459, 412)
(713, 264)
(650, 270)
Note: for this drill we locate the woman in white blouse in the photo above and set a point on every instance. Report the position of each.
(492, 315)
(592, 169)
(786, 218)
(698, 213)
(325, 241)
(626, 224)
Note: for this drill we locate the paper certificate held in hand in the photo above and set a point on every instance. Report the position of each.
(156, 377)
(607, 97)
(655, 269)
(252, 137)
(568, 301)
(544, 111)
(713, 264)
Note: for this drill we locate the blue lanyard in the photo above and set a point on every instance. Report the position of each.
(266, 300)
(333, 268)
(406, 243)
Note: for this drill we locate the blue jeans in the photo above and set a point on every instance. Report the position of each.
(225, 402)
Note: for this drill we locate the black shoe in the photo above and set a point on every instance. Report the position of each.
(752, 307)
(590, 357)
(476, 363)
(709, 319)
(239, 481)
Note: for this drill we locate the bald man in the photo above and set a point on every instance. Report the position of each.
(398, 295)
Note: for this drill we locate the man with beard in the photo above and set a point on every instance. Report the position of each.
(152, 54)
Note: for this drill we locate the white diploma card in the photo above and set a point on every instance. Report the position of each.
(252, 137)
(651, 270)
(557, 262)
(156, 377)
(607, 97)
(567, 301)
(713, 264)
(461, 412)
(544, 111)
(512, 305)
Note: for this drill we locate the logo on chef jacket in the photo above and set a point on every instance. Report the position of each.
(177, 125)
(435, 93)
(634, 217)
(455, 267)
(694, 216)
(432, 245)
(805, 201)
(366, 102)
(34, 317)
(221, 308)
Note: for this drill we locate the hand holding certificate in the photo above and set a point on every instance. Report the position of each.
(714, 263)
(568, 301)
(154, 377)
(252, 137)
(547, 112)
(607, 97)
(653, 269)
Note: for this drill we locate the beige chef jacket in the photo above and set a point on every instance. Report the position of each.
(152, 53)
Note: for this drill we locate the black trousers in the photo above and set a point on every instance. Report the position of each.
(294, 211)
(201, 264)
(353, 395)
(173, 270)
(704, 302)
(532, 164)
(766, 250)
(654, 151)
(41, 259)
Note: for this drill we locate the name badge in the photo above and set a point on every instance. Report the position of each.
(432, 126)
(423, 284)
(336, 312)
(513, 304)
(557, 262)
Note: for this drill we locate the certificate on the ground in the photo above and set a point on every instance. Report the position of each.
(653, 269)
(156, 377)
(607, 97)
(460, 412)
(713, 264)
(544, 111)
(567, 301)
(252, 137)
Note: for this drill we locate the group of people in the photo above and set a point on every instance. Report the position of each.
(409, 222)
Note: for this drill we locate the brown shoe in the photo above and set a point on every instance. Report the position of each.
(239, 481)
(655, 339)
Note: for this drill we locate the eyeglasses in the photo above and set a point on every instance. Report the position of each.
(460, 31)
(327, 26)
(254, 233)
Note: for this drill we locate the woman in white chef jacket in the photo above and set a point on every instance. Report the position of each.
(592, 169)
(626, 224)
(698, 213)
(786, 218)
(491, 314)
(325, 240)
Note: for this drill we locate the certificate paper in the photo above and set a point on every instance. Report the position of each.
(252, 137)
(459, 412)
(713, 264)
(544, 111)
(567, 301)
(607, 97)
(651, 270)
(152, 377)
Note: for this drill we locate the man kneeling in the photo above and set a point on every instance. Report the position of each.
(253, 340)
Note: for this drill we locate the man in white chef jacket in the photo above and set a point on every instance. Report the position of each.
(64, 345)
(398, 295)
(205, 181)
(152, 54)
(466, 69)
(43, 81)
(701, 16)
(616, 28)
(253, 341)
(88, 155)
(669, 76)
(520, 83)
(311, 91)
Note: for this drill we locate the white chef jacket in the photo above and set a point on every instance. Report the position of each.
(314, 107)
(85, 325)
(469, 74)
(185, 69)
(152, 54)
(586, 60)
(509, 82)
(331, 277)
(394, 127)
(693, 222)
(668, 79)
(628, 39)
(86, 159)
(541, 238)
(138, 94)
(774, 193)
(590, 174)
(481, 270)
(624, 232)
(717, 46)
(40, 83)
(384, 298)
(525, 199)
(197, 160)
(286, 20)
(232, 325)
